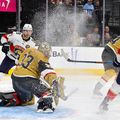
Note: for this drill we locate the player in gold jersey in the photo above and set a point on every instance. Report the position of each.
(110, 52)
(33, 64)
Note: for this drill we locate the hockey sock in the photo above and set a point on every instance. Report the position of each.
(99, 86)
(111, 95)
(113, 91)
(104, 79)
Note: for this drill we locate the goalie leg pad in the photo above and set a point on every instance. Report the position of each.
(9, 99)
(61, 88)
(58, 89)
(55, 92)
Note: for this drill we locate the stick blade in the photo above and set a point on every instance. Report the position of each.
(65, 55)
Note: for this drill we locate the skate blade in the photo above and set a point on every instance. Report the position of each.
(102, 109)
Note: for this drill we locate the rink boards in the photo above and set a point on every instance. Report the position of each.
(76, 53)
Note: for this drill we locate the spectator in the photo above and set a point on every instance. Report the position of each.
(89, 8)
(107, 34)
(57, 2)
(93, 39)
(73, 37)
(67, 2)
(98, 12)
(78, 2)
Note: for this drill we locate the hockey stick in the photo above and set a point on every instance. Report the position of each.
(70, 93)
(80, 61)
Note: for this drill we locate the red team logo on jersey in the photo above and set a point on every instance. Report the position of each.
(8, 5)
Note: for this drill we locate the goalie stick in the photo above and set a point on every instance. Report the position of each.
(70, 93)
(60, 89)
(81, 61)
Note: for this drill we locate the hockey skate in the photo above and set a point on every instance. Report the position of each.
(46, 104)
(104, 105)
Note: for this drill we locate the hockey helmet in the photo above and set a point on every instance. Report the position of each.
(27, 27)
(45, 48)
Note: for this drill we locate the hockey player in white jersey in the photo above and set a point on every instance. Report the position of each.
(13, 45)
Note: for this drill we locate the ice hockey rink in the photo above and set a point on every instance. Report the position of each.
(81, 105)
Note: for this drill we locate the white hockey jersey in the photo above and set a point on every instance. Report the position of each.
(18, 44)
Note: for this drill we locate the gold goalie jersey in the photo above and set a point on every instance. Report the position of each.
(115, 45)
(33, 63)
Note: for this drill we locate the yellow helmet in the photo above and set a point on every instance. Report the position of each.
(45, 48)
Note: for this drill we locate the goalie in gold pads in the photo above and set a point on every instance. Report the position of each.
(33, 64)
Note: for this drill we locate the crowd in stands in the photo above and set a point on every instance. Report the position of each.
(93, 9)
(92, 35)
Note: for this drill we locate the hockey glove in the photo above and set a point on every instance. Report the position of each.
(5, 47)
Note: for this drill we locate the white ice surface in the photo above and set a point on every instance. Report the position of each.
(80, 106)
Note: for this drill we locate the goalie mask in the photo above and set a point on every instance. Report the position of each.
(45, 48)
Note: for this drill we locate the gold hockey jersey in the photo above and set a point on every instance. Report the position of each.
(115, 45)
(33, 63)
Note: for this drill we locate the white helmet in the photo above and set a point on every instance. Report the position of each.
(27, 27)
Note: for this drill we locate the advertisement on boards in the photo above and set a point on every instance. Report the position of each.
(7, 5)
